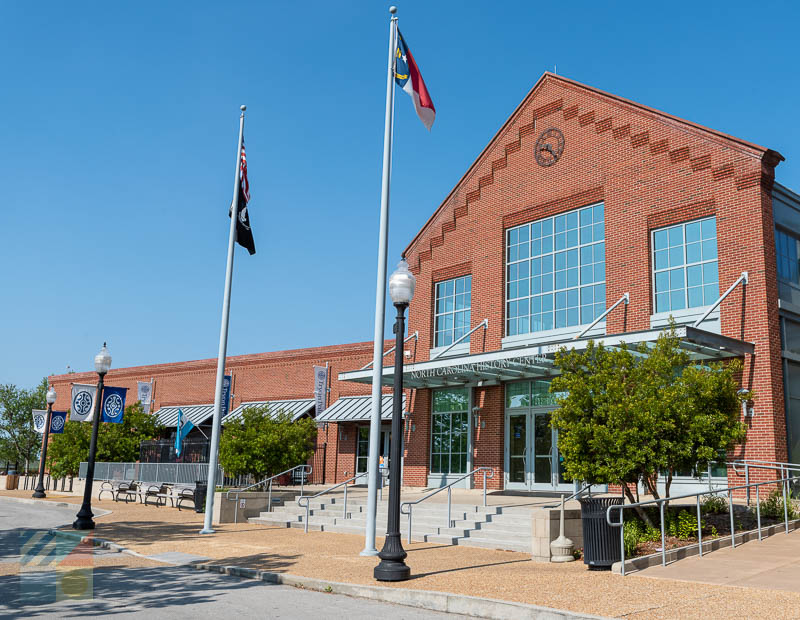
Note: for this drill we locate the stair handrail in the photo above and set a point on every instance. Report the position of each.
(308, 498)
(784, 480)
(305, 467)
(488, 472)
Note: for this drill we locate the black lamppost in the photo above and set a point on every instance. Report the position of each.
(392, 566)
(102, 364)
(51, 398)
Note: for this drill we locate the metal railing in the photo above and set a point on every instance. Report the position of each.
(176, 473)
(784, 481)
(488, 472)
(780, 469)
(305, 471)
(308, 498)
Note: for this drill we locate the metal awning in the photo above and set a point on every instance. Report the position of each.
(297, 408)
(357, 408)
(536, 361)
(168, 416)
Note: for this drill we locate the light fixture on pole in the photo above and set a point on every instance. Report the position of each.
(102, 364)
(392, 566)
(51, 399)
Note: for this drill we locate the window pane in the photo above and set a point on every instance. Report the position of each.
(676, 300)
(710, 273)
(692, 232)
(695, 296)
(676, 256)
(709, 228)
(660, 240)
(693, 253)
(661, 260)
(662, 281)
(675, 236)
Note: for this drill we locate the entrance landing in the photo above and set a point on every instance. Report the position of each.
(773, 564)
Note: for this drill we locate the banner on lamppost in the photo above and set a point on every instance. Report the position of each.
(144, 393)
(320, 388)
(113, 404)
(82, 407)
(39, 419)
(226, 396)
(57, 421)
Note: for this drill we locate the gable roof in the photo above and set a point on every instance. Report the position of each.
(770, 157)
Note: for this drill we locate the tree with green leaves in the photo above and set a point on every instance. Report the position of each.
(20, 443)
(630, 415)
(116, 443)
(263, 444)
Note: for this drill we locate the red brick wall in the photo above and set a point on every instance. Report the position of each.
(650, 170)
(263, 376)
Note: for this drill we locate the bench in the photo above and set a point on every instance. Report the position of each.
(115, 487)
(182, 493)
(158, 491)
(129, 490)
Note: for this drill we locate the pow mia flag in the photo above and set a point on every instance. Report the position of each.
(244, 234)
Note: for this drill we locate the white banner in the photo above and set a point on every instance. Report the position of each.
(144, 392)
(320, 388)
(82, 403)
(39, 419)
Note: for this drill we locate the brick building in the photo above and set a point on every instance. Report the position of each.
(581, 200)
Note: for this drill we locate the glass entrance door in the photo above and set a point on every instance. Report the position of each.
(532, 459)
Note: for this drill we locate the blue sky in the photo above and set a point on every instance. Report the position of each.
(118, 135)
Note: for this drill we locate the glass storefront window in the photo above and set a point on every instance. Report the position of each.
(685, 265)
(530, 394)
(450, 431)
(556, 271)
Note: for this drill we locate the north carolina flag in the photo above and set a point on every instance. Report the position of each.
(408, 77)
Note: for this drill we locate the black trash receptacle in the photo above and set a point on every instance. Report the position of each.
(200, 492)
(600, 540)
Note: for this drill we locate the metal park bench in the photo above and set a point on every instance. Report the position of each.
(115, 487)
(159, 492)
(181, 493)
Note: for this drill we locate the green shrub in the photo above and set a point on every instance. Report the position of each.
(714, 505)
(682, 525)
(633, 531)
(772, 506)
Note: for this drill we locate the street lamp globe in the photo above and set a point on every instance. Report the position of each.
(102, 361)
(401, 284)
(51, 395)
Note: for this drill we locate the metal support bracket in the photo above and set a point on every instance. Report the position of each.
(625, 298)
(743, 280)
(415, 336)
(484, 323)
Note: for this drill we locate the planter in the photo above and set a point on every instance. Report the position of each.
(600, 540)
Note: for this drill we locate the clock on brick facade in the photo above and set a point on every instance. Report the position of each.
(549, 147)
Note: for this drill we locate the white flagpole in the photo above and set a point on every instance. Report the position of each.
(380, 300)
(223, 342)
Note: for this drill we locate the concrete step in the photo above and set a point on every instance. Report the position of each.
(484, 543)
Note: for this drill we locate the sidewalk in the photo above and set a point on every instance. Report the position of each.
(151, 530)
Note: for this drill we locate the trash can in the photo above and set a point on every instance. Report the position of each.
(200, 492)
(600, 540)
(12, 481)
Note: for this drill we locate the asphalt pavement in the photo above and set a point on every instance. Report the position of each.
(50, 581)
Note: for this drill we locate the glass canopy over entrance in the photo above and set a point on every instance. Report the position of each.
(536, 361)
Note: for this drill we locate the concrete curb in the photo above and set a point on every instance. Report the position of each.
(423, 599)
(672, 555)
(98, 512)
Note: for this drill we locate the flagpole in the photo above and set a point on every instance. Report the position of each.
(380, 300)
(223, 342)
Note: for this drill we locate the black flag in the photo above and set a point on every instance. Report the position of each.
(244, 234)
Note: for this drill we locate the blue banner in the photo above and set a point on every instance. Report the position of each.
(113, 404)
(226, 396)
(57, 421)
